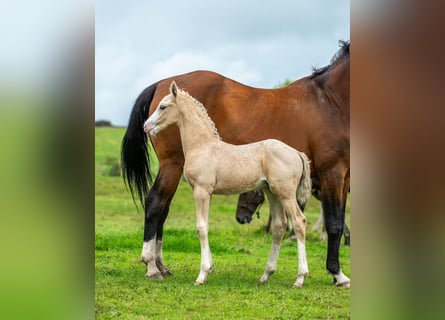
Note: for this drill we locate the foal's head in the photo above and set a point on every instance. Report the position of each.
(165, 114)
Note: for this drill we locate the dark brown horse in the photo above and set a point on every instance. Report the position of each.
(311, 115)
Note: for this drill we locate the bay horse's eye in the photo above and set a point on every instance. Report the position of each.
(163, 107)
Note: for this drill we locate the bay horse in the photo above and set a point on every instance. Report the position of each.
(310, 114)
(212, 166)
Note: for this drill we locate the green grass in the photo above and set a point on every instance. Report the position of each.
(239, 255)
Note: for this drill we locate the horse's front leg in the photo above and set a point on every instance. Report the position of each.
(157, 205)
(347, 233)
(334, 203)
(202, 201)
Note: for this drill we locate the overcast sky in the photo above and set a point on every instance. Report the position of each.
(259, 43)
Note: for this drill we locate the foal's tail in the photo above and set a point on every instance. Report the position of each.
(304, 189)
(135, 160)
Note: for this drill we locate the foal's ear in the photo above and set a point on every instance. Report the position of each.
(174, 89)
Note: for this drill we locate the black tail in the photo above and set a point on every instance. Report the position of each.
(135, 160)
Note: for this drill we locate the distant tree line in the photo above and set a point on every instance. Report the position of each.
(284, 83)
(103, 123)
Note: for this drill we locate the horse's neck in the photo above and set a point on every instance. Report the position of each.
(195, 132)
(337, 84)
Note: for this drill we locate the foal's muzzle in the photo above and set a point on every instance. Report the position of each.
(150, 128)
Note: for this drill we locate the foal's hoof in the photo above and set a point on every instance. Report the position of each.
(262, 280)
(299, 282)
(198, 283)
(157, 275)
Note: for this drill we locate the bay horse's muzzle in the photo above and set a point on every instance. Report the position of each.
(248, 203)
(243, 216)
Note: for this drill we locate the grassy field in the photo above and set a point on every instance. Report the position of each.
(239, 255)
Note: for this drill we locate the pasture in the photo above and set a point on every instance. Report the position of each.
(239, 255)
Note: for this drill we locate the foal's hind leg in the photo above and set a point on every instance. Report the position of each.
(278, 224)
(298, 221)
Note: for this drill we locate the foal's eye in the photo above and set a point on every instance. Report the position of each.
(163, 107)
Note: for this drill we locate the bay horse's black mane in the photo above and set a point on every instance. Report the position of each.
(343, 52)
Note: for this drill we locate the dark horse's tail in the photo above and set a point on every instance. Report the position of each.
(135, 159)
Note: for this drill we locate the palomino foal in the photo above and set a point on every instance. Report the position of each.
(213, 166)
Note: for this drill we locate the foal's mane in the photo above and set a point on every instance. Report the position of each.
(198, 109)
(341, 54)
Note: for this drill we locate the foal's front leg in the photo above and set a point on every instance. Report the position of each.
(202, 201)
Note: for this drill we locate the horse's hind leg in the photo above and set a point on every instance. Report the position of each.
(157, 205)
(159, 234)
(278, 224)
(298, 222)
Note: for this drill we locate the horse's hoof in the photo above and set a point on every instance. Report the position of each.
(344, 284)
(164, 270)
(198, 283)
(166, 273)
(155, 276)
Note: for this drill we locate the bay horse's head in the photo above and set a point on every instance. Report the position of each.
(165, 114)
(247, 205)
